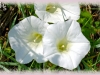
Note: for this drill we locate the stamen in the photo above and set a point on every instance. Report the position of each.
(51, 8)
(35, 37)
(61, 45)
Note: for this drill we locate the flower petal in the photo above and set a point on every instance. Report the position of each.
(62, 60)
(38, 25)
(40, 10)
(75, 58)
(24, 27)
(40, 6)
(48, 17)
(71, 10)
(53, 33)
(39, 51)
(74, 33)
(25, 50)
(79, 48)
(64, 11)
(22, 51)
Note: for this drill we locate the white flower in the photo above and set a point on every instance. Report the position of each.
(54, 12)
(65, 45)
(26, 40)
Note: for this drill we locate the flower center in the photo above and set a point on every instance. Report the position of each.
(35, 37)
(62, 45)
(51, 8)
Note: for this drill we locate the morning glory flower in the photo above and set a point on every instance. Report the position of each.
(55, 12)
(65, 45)
(26, 40)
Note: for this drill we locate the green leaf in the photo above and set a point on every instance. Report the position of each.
(13, 23)
(8, 50)
(21, 7)
(82, 20)
(97, 23)
(97, 43)
(86, 65)
(9, 63)
(5, 69)
(98, 46)
(85, 14)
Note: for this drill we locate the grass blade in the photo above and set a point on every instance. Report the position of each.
(5, 69)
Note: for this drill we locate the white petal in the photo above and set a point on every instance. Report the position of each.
(23, 28)
(62, 60)
(75, 35)
(29, 25)
(41, 12)
(73, 31)
(48, 17)
(75, 58)
(40, 6)
(39, 51)
(22, 51)
(38, 25)
(68, 15)
(49, 44)
(55, 17)
(79, 48)
(74, 8)
(64, 11)
(78, 45)
(53, 33)
(59, 29)
(71, 10)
